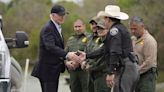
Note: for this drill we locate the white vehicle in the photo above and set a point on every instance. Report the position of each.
(10, 70)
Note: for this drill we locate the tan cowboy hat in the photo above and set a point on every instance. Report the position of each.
(114, 12)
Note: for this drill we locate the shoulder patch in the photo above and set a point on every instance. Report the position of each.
(113, 31)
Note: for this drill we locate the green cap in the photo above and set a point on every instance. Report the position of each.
(94, 19)
(101, 23)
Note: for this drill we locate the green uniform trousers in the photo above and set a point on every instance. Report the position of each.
(79, 81)
(98, 83)
(147, 82)
(91, 85)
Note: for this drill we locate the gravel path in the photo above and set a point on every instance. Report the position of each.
(33, 85)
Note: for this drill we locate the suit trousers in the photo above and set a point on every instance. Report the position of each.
(49, 86)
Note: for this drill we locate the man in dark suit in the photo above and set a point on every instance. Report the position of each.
(51, 51)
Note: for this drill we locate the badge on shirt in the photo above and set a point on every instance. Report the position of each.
(142, 42)
(84, 40)
(114, 31)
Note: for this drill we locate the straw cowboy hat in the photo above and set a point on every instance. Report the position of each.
(113, 11)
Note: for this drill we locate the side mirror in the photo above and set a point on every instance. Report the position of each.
(21, 40)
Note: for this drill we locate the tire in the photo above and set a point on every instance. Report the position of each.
(16, 75)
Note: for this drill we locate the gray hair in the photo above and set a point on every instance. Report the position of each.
(137, 20)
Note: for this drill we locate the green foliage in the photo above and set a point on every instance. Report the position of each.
(3, 8)
(92, 7)
(30, 19)
(33, 47)
(67, 27)
(126, 3)
(31, 16)
(160, 77)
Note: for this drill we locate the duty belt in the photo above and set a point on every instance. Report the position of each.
(124, 60)
(151, 70)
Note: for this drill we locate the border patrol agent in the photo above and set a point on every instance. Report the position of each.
(122, 68)
(98, 66)
(146, 48)
(78, 77)
(122, 72)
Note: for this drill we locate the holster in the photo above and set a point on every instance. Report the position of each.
(133, 57)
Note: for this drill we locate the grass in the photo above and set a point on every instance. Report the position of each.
(160, 77)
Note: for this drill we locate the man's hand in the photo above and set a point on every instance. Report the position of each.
(71, 65)
(87, 68)
(75, 58)
(110, 80)
(83, 65)
(82, 56)
(71, 56)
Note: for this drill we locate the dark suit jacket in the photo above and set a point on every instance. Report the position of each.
(51, 54)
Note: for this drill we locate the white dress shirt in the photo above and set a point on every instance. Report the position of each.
(58, 28)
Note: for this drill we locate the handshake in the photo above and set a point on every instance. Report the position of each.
(74, 59)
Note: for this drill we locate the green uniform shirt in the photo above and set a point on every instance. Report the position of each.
(77, 42)
(98, 63)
